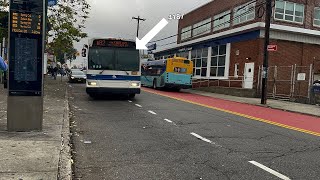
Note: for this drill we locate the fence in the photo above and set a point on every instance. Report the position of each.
(289, 82)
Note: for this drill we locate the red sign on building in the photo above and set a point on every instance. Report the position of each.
(272, 47)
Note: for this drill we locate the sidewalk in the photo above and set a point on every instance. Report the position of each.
(275, 104)
(37, 155)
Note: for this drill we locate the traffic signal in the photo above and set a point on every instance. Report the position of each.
(84, 52)
(4, 16)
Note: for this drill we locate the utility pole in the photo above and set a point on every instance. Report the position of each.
(138, 26)
(266, 53)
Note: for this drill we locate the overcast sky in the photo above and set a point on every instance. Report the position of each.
(113, 18)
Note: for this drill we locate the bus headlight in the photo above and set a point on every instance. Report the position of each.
(92, 83)
(135, 84)
(72, 77)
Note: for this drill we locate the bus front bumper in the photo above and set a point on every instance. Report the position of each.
(113, 90)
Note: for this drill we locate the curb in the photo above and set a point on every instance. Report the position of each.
(65, 159)
(260, 105)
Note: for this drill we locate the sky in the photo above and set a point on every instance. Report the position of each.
(113, 18)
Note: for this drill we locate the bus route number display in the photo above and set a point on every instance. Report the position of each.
(114, 43)
(26, 23)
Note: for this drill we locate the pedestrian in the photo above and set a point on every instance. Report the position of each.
(3, 64)
(55, 71)
(4, 67)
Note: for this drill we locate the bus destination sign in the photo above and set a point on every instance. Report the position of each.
(113, 43)
(26, 23)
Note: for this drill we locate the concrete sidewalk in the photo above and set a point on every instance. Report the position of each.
(38, 155)
(275, 104)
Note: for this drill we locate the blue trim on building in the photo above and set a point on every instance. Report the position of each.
(214, 42)
(113, 77)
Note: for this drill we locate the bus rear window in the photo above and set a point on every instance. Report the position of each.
(180, 70)
(186, 61)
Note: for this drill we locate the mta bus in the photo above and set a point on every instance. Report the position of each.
(113, 67)
(173, 73)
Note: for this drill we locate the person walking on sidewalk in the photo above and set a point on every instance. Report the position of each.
(4, 67)
(55, 72)
(3, 64)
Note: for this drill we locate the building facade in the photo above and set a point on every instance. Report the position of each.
(225, 39)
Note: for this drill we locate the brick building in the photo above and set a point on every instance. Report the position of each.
(225, 39)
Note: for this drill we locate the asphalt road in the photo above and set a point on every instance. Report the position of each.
(155, 137)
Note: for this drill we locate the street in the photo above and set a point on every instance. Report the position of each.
(157, 137)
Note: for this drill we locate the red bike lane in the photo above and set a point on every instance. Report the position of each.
(289, 120)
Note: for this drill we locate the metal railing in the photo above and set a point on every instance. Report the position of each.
(209, 81)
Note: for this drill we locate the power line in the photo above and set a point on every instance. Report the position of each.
(167, 44)
(247, 12)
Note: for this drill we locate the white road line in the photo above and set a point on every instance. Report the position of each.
(168, 120)
(281, 176)
(152, 112)
(129, 101)
(138, 105)
(202, 138)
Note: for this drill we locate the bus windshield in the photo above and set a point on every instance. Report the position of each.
(117, 59)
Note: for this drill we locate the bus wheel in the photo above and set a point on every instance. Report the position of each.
(131, 96)
(154, 84)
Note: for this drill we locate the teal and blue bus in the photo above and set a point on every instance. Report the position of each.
(174, 73)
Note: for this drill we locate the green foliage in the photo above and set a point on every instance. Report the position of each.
(66, 27)
(66, 21)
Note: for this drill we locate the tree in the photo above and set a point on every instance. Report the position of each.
(66, 21)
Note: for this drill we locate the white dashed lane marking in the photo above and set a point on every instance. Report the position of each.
(130, 101)
(200, 137)
(281, 176)
(168, 120)
(138, 105)
(152, 112)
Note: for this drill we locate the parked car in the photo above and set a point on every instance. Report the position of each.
(77, 76)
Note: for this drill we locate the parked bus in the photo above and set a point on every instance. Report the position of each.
(113, 67)
(174, 73)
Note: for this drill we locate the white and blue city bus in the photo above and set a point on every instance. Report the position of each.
(113, 67)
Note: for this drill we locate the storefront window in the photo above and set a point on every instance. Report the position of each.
(218, 61)
(200, 61)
